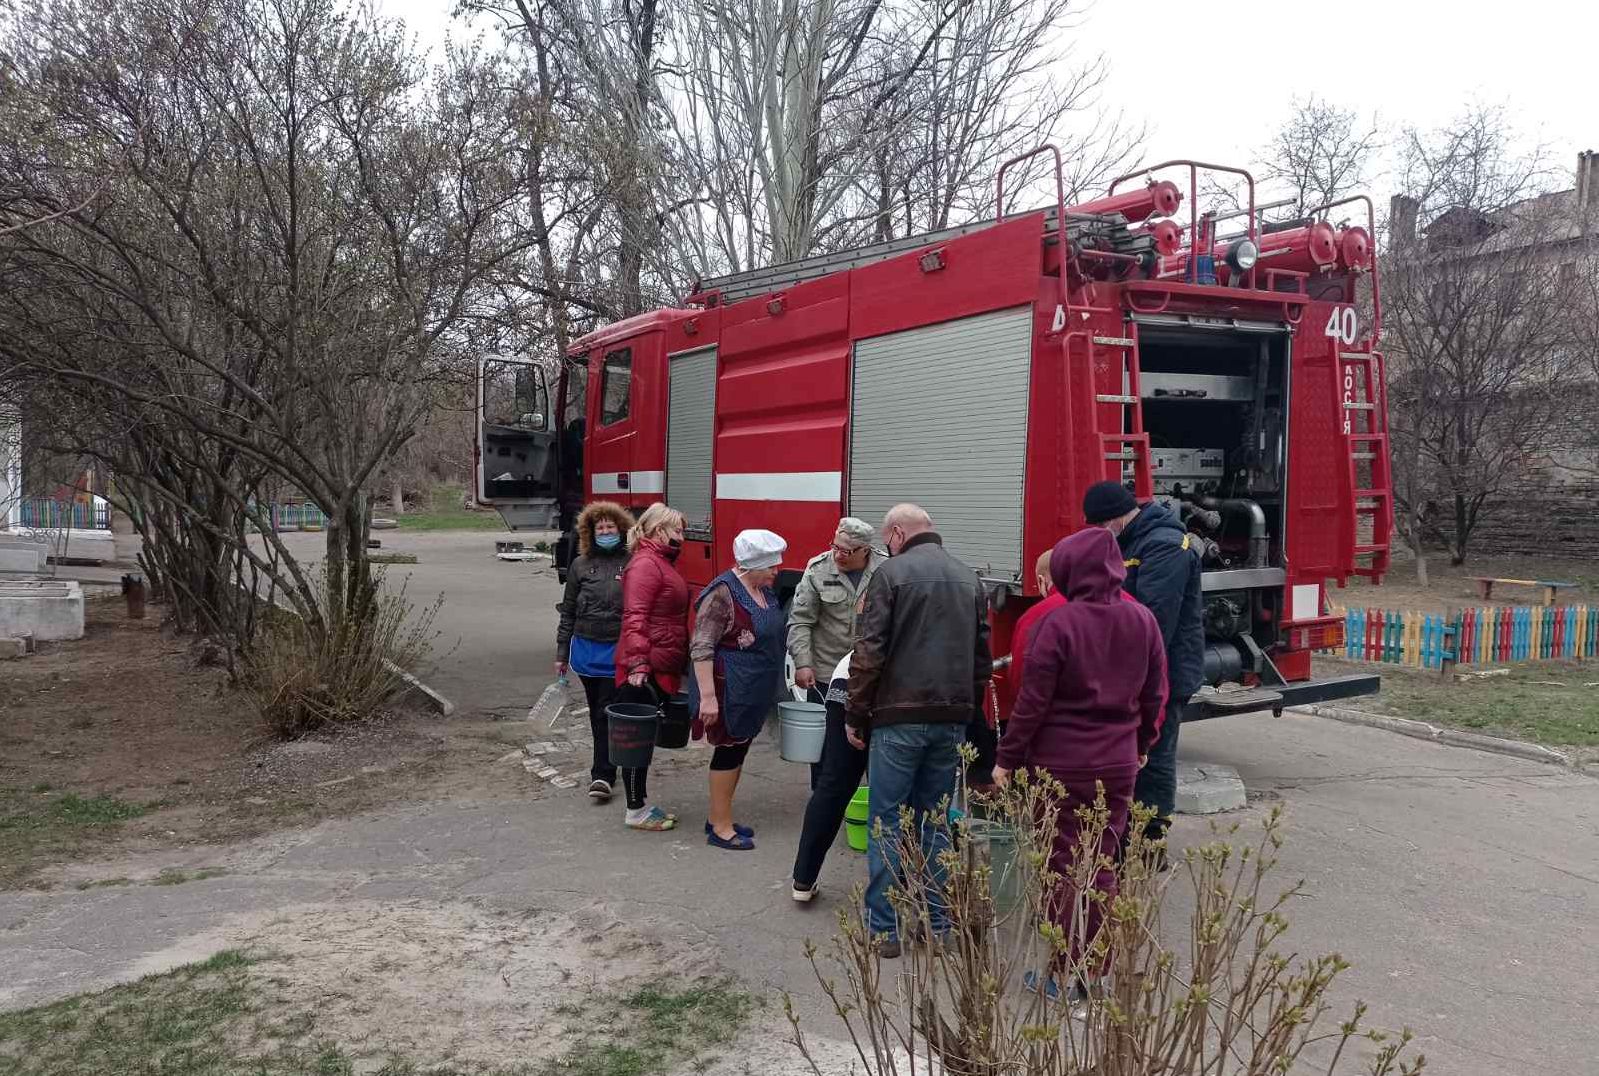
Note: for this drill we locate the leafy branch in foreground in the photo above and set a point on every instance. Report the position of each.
(1225, 998)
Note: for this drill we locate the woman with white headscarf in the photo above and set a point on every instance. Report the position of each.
(737, 650)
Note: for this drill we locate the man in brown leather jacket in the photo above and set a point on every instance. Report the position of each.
(917, 675)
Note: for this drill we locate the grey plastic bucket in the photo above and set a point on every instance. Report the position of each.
(994, 843)
(802, 729)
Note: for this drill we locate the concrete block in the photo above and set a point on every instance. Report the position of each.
(50, 610)
(91, 546)
(88, 546)
(23, 558)
(424, 694)
(1208, 789)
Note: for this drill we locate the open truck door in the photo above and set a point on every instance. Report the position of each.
(516, 465)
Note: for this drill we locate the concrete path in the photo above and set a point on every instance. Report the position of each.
(1464, 887)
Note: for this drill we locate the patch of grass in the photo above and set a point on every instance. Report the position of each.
(162, 1023)
(654, 1029)
(43, 825)
(1547, 703)
(194, 1021)
(175, 876)
(103, 883)
(71, 810)
(444, 513)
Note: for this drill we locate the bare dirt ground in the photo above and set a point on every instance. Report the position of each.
(451, 982)
(121, 743)
(1452, 587)
(446, 987)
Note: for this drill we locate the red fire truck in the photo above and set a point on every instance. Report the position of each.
(991, 373)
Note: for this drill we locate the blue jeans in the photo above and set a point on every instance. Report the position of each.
(1157, 781)
(911, 766)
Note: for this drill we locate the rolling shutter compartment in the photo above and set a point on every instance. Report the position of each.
(689, 428)
(939, 417)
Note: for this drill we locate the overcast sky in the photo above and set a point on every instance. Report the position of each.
(1411, 61)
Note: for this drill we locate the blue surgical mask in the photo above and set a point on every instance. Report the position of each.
(607, 541)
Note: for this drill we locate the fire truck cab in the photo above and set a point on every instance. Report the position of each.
(991, 373)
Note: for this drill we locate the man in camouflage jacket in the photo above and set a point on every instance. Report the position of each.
(821, 621)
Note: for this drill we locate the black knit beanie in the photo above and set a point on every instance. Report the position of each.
(1107, 500)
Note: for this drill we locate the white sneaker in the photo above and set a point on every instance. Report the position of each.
(600, 791)
(802, 895)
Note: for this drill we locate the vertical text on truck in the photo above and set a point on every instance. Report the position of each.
(992, 373)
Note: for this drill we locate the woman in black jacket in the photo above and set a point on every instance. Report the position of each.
(591, 623)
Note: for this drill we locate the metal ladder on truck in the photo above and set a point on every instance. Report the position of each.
(1125, 452)
(1368, 474)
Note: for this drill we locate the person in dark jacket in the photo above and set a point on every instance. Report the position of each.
(1088, 711)
(918, 672)
(1163, 573)
(652, 653)
(591, 622)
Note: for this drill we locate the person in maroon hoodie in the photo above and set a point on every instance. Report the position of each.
(1089, 706)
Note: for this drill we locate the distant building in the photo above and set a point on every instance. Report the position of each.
(1558, 490)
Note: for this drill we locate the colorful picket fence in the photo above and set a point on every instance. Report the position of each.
(298, 517)
(1486, 636)
(45, 514)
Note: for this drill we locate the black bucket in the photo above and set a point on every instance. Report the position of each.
(632, 733)
(672, 733)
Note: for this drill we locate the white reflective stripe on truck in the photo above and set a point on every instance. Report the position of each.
(637, 482)
(781, 486)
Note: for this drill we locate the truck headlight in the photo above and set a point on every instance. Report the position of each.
(1242, 256)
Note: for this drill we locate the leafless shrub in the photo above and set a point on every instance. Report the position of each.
(301, 680)
(1224, 999)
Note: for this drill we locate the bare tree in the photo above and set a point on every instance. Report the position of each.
(1323, 153)
(284, 265)
(997, 85)
(593, 68)
(1320, 154)
(821, 126)
(1476, 316)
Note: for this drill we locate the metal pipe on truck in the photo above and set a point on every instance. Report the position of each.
(1156, 200)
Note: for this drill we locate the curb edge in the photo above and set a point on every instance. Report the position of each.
(429, 696)
(1421, 730)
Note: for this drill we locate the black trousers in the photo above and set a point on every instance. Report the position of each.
(986, 742)
(600, 692)
(838, 775)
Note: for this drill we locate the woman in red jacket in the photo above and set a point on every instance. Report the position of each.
(1089, 706)
(653, 650)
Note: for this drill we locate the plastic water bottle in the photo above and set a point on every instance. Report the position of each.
(550, 704)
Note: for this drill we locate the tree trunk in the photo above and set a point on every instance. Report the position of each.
(1457, 552)
(397, 495)
(348, 570)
